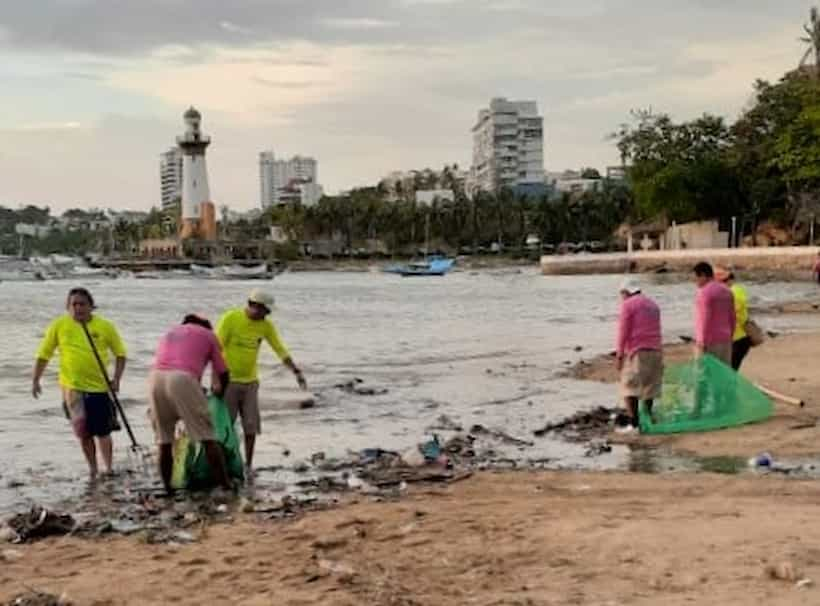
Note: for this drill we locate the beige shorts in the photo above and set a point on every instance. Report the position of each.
(642, 375)
(722, 351)
(243, 400)
(176, 395)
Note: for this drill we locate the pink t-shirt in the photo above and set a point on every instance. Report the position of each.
(714, 314)
(639, 326)
(189, 347)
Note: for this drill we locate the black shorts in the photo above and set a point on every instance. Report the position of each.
(91, 414)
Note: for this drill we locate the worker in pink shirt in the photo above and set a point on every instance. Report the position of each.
(175, 393)
(714, 315)
(638, 351)
(816, 270)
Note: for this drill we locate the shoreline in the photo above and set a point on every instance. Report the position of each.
(464, 263)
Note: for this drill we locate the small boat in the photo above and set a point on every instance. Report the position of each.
(239, 272)
(232, 272)
(433, 265)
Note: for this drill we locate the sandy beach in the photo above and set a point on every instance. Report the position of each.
(534, 538)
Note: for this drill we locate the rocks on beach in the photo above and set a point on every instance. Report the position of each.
(356, 386)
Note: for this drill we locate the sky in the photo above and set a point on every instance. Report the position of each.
(94, 90)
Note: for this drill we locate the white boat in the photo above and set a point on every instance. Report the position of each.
(84, 271)
(238, 272)
(232, 272)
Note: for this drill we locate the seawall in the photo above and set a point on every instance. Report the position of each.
(791, 259)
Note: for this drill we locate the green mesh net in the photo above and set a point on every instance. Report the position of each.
(191, 469)
(702, 395)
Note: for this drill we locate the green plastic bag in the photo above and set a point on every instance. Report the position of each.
(703, 395)
(191, 468)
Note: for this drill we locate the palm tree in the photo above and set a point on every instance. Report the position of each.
(812, 38)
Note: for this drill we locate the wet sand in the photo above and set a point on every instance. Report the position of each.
(528, 538)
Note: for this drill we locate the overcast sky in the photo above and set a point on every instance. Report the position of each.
(93, 90)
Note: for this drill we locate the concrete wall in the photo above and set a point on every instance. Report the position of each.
(789, 259)
(696, 235)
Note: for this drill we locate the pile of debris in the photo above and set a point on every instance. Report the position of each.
(37, 523)
(381, 472)
(38, 598)
(583, 426)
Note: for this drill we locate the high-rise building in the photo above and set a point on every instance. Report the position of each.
(508, 147)
(278, 178)
(268, 192)
(170, 177)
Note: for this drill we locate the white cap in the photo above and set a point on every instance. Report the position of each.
(261, 297)
(630, 286)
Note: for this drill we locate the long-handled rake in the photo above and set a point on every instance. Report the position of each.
(141, 453)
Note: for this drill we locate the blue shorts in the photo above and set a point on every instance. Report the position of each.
(91, 414)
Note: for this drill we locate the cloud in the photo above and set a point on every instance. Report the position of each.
(233, 28)
(44, 127)
(358, 23)
(366, 86)
(282, 84)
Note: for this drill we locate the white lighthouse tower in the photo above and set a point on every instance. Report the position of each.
(195, 189)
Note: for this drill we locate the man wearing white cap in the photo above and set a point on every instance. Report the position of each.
(240, 332)
(639, 350)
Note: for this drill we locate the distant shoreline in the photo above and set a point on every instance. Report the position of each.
(376, 265)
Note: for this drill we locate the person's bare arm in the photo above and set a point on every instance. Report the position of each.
(119, 368)
(300, 378)
(37, 375)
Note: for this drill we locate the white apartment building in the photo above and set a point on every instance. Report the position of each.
(508, 146)
(276, 176)
(170, 177)
(268, 192)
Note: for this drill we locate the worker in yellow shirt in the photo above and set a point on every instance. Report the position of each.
(240, 332)
(741, 343)
(86, 400)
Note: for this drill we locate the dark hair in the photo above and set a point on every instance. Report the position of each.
(80, 292)
(704, 269)
(198, 320)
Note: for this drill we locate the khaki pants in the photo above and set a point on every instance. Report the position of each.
(242, 400)
(642, 375)
(175, 395)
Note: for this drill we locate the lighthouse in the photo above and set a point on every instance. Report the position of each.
(198, 218)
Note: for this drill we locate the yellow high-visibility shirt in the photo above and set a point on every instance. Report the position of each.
(79, 369)
(741, 311)
(240, 338)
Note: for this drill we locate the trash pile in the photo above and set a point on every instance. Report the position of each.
(38, 598)
(37, 523)
(583, 426)
(383, 473)
(156, 519)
